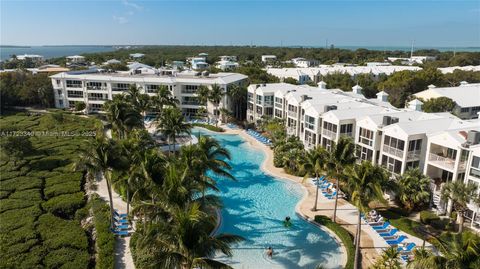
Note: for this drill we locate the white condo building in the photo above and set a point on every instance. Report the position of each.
(94, 88)
(466, 96)
(397, 139)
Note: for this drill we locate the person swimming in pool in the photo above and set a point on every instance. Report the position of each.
(287, 222)
(270, 252)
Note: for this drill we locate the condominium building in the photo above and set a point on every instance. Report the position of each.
(466, 97)
(75, 60)
(94, 88)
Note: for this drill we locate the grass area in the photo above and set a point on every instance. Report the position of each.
(343, 234)
(209, 127)
(40, 195)
(402, 222)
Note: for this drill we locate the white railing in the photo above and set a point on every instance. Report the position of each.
(292, 114)
(393, 151)
(329, 133)
(415, 154)
(278, 105)
(442, 161)
(350, 134)
(366, 141)
(96, 88)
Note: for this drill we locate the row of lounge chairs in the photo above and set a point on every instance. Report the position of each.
(390, 234)
(232, 126)
(259, 137)
(328, 189)
(121, 225)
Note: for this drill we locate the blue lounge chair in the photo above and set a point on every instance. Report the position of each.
(381, 227)
(408, 248)
(405, 258)
(390, 233)
(119, 215)
(122, 227)
(122, 221)
(331, 195)
(121, 233)
(396, 241)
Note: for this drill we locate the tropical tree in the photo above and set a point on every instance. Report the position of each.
(413, 189)
(122, 115)
(101, 158)
(460, 194)
(133, 95)
(440, 104)
(172, 123)
(215, 96)
(162, 99)
(342, 155)
(238, 95)
(425, 259)
(390, 259)
(366, 184)
(313, 165)
(185, 241)
(458, 251)
(225, 114)
(203, 95)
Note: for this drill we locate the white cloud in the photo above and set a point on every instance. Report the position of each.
(132, 5)
(120, 19)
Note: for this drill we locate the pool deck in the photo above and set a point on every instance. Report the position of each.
(372, 244)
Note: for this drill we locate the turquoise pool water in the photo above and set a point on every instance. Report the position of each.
(255, 207)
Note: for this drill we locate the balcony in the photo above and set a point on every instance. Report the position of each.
(366, 141)
(415, 154)
(444, 162)
(190, 91)
(330, 134)
(292, 114)
(350, 134)
(309, 126)
(475, 172)
(393, 151)
(96, 88)
(278, 105)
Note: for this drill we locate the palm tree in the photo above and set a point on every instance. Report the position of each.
(122, 115)
(365, 185)
(313, 165)
(342, 155)
(458, 250)
(203, 95)
(185, 241)
(460, 194)
(133, 95)
(172, 123)
(425, 259)
(390, 259)
(101, 157)
(414, 189)
(211, 157)
(162, 99)
(225, 114)
(215, 96)
(238, 95)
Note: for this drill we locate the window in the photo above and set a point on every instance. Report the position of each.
(414, 145)
(60, 102)
(330, 126)
(150, 88)
(269, 111)
(190, 100)
(250, 97)
(366, 154)
(120, 87)
(475, 109)
(394, 142)
(190, 89)
(391, 164)
(475, 167)
(464, 109)
(96, 106)
(366, 137)
(412, 165)
(309, 122)
(346, 129)
(74, 83)
(97, 96)
(75, 94)
(259, 110)
(94, 85)
(269, 100)
(259, 99)
(278, 113)
(58, 82)
(59, 92)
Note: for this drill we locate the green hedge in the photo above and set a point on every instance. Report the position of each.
(427, 216)
(67, 258)
(64, 188)
(343, 234)
(212, 128)
(105, 243)
(50, 226)
(65, 205)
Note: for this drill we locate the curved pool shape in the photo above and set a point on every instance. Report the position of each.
(255, 207)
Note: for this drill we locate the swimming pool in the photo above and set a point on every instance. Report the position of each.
(255, 207)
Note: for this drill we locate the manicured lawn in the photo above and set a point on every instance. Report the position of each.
(402, 222)
(209, 127)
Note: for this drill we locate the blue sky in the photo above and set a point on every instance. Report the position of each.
(309, 23)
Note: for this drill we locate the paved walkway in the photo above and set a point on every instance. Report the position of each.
(372, 244)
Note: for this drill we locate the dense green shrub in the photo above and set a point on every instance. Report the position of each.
(427, 216)
(31, 194)
(343, 234)
(14, 219)
(105, 243)
(212, 128)
(440, 224)
(60, 178)
(64, 188)
(50, 226)
(21, 183)
(65, 205)
(67, 258)
(9, 204)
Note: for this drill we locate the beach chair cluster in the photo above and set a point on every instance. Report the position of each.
(121, 226)
(390, 234)
(328, 189)
(232, 126)
(259, 137)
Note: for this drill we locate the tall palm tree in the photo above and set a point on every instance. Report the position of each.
(203, 95)
(212, 158)
(314, 165)
(162, 99)
(225, 114)
(133, 94)
(185, 241)
(172, 123)
(122, 115)
(238, 95)
(414, 188)
(342, 155)
(101, 157)
(458, 250)
(365, 184)
(460, 194)
(215, 96)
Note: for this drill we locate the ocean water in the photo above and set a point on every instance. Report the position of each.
(51, 51)
(255, 207)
